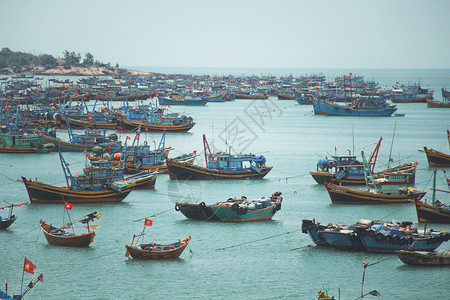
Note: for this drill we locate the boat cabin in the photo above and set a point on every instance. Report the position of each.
(227, 162)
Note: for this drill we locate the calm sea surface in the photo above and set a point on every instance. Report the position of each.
(271, 259)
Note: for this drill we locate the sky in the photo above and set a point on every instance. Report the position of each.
(237, 34)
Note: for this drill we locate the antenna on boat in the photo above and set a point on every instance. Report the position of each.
(353, 139)
(392, 143)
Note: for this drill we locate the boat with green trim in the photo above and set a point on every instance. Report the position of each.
(20, 142)
(234, 209)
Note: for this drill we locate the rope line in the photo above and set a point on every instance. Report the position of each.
(258, 240)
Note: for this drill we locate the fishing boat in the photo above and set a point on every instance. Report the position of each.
(82, 142)
(374, 236)
(154, 120)
(412, 97)
(347, 170)
(423, 258)
(220, 165)
(433, 103)
(436, 158)
(435, 211)
(62, 237)
(4, 294)
(234, 209)
(381, 191)
(20, 142)
(179, 99)
(99, 183)
(6, 222)
(391, 237)
(249, 95)
(360, 107)
(156, 251)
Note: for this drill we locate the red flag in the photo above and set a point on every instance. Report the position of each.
(148, 222)
(28, 266)
(68, 206)
(89, 118)
(146, 128)
(136, 137)
(128, 138)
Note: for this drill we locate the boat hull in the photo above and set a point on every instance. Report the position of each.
(343, 241)
(187, 171)
(226, 213)
(436, 104)
(410, 100)
(419, 258)
(132, 125)
(343, 195)
(436, 158)
(333, 109)
(82, 240)
(379, 242)
(5, 223)
(137, 253)
(312, 228)
(199, 212)
(39, 192)
(428, 213)
(66, 146)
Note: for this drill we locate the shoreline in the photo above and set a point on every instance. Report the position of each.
(75, 71)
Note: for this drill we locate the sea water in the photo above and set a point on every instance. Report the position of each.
(259, 260)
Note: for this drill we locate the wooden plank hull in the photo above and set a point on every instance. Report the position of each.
(412, 100)
(39, 192)
(419, 258)
(428, 213)
(183, 170)
(18, 150)
(66, 146)
(82, 240)
(343, 195)
(80, 124)
(436, 158)
(244, 96)
(436, 104)
(137, 253)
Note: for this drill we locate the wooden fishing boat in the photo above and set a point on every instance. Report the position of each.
(118, 98)
(60, 237)
(19, 142)
(248, 95)
(433, 103)
(436, 158)
(178, 99)
(6, 222)
(422, 258)
(381, 191)
(234, 209)
(93, 123)
(157, 251)
(133, 124)
(220, 166)
(435, 211)
(283, 96)
(410, 98)
(99, 183)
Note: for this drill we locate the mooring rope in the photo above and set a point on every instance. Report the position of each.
(258, 240)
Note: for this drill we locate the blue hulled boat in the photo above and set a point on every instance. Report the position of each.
(360, 107)
(374, 236)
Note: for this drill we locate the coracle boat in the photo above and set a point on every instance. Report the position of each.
(380, 191)
(99, 183)
(220, 166)
(234, 209)
(435, 211)
(374, 236)
(156, 251)
(422, 258)
(61, 237)
(6, 222)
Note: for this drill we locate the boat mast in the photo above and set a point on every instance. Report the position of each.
(370, 182)
(206, 146)
(69, 129)
(392, 143)
(66, 169)
(433, 200)
(375, 154)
